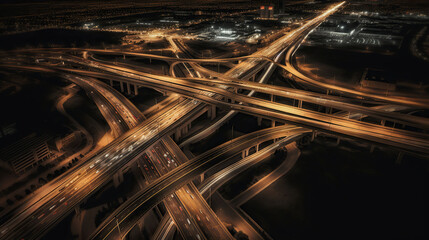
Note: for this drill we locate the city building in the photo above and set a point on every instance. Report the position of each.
(69, 140)
(373, 78)
(26, 153)
(266, 12)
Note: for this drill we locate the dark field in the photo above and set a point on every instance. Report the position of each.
(345, 192)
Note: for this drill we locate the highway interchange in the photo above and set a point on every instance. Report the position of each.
(168, 173)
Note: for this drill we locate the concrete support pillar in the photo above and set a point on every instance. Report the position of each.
(243, 154)
(185, 129)
(338, 140)
(247, 152)
(253, 78)
(158, 213)
(257, 147)
(212, 112)
(273, 123)
(122, 86)
(141, 222)
(313, 135)
(202, 177)
(383, 122)
(128, 88)
(177, 135)
(300, 104)
(259, 119)
(272, 98)
(121, 176)
(118, 178)
(115, 180)
(136, 90)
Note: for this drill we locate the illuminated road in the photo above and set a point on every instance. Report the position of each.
(293, 154)
(120, 109)
(175, 114)
(131, 211)
(37, 215)
(360, 130)
(212, 183)
(57, 198)
(406, 140)
(157, 161)
(394, 97)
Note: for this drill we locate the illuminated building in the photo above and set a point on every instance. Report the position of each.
(26, 153)
(266, 12)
